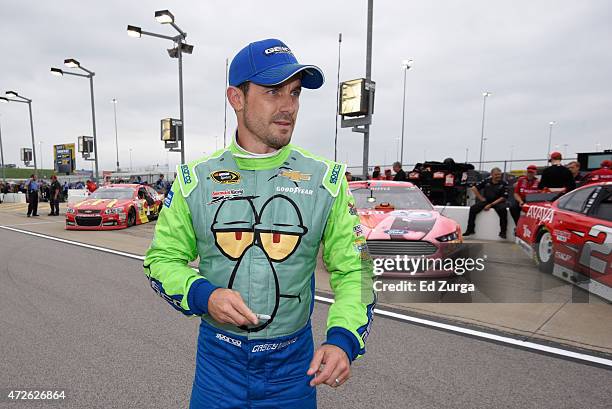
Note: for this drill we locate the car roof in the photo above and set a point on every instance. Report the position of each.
(385, 183)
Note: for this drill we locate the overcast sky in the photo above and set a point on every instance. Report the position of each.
(542, 60)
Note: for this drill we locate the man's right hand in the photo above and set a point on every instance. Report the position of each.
(227, 307)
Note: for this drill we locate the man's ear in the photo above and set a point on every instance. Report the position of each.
(236, 98)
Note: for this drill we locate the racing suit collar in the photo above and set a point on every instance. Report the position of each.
(258, 161)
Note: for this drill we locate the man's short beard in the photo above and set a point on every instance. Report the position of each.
(261, 133)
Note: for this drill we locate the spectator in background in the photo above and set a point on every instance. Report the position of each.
(493, 196)
(55, 190)
(376, 175)
(91, 186)
(400, 175)
(388, 175)
(574, 167)
(162, 186)
(524, 185)
(32, 188)
(557, 176)
(603, 174)
(107, 181)
(349, 176)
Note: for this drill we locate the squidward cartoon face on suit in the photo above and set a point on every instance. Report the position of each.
(245, 235)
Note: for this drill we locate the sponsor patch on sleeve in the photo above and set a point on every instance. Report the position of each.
(168, 199)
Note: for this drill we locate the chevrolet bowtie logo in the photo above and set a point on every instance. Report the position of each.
(295, 175)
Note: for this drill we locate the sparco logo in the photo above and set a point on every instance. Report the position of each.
(225, 338)
(186, 174)
(543, 214)
(335, 173)
(277, 50)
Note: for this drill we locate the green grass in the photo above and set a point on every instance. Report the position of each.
(24, 173)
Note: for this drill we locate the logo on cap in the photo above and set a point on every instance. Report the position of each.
(277, 50)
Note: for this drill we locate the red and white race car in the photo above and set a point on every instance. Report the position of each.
(115, 206)
(572, 237)
(398, 220)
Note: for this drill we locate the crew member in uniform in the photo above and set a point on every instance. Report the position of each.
(557, 176)
(494, 196)
(524, 185)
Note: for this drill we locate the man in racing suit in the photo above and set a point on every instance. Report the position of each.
(255, 214)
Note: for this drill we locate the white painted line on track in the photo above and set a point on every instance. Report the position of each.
(32, 224)
(75, 243)
(407, 318)
(484, 335)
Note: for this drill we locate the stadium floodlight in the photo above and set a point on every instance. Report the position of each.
(179, 48)
(12, 94)
(134, 31)
(71, 63)
(4, 100)
(186, 48)
(57, 72)
(164, 17)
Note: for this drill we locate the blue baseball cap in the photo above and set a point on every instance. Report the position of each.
(271, 62)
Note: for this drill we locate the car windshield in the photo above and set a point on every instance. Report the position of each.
(112, 194)
(409, 198)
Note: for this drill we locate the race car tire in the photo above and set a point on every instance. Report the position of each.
(131, 219)
(543, 251)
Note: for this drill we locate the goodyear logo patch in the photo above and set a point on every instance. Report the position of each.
(168, 199)
(335, 174)
(225, 176)
(186, 174)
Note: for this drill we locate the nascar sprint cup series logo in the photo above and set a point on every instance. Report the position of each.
(225, 177)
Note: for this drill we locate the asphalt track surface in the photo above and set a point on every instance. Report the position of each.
(86, 322)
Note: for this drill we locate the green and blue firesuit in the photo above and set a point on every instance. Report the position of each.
(256, 223)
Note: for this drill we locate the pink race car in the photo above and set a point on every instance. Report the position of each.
(399, 223)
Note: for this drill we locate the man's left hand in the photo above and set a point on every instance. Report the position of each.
(331, 366)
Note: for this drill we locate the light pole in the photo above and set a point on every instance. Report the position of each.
(20, 98)
(72, 63)
(114, 102)
(42, 167)
(180, 47)
(467, 151)
(565, 145)
(130, 159)
(550, 127)
(406, 65)
(337, 98)
(485, 95)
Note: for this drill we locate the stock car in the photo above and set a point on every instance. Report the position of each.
(397, 219)
(571, 237)
(116, 206)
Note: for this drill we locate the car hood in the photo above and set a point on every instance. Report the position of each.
(403, 224)
(100, 204)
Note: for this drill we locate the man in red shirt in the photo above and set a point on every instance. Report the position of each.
(91, 186)
(524, 185)
(603, 174)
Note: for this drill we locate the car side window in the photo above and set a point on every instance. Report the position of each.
(575, 201)
(603, 210)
